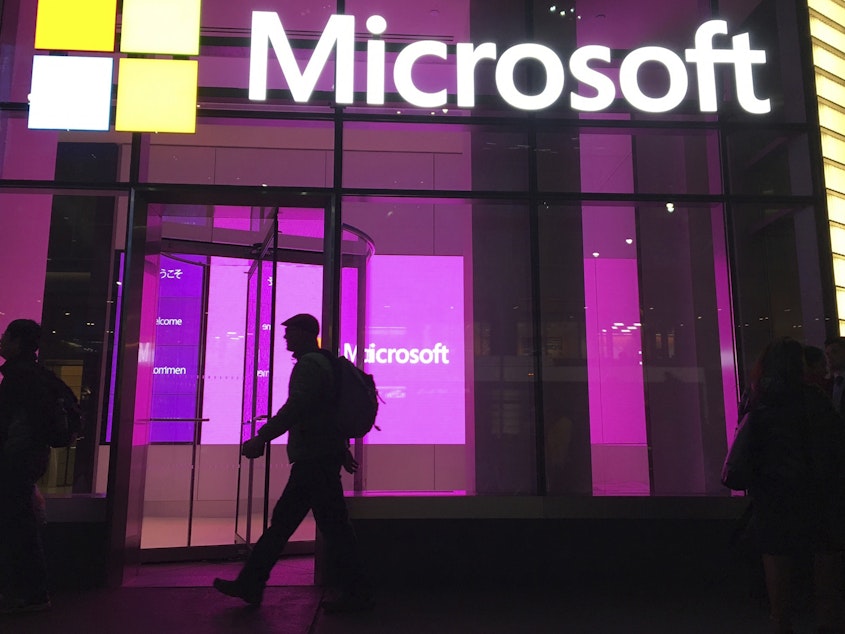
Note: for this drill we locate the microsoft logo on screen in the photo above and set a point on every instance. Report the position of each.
(73, 91)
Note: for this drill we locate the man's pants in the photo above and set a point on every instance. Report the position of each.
(313, 484)
(23, 571)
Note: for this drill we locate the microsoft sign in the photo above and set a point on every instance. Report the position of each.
(73, 90)
(584, 66)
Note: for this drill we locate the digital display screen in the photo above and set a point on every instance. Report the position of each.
(413, 343)
(177, 349)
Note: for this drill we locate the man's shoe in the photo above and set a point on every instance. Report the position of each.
(239, 590)
(10, 605)
(345, 603)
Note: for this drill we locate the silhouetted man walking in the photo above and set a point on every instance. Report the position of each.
(317, 450)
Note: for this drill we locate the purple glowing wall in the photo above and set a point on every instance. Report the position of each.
(177, 350)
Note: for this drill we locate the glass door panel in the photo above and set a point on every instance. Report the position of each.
(252, 508)
(212, 496)
(176, 392)
(246, 469)
(197, 389)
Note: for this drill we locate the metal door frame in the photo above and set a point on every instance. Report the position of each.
(127, 468)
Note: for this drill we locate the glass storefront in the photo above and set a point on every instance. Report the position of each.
(554, 301)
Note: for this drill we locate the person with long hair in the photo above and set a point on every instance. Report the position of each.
(797, 484)
(24, 456)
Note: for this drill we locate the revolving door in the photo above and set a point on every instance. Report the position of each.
(227, 275)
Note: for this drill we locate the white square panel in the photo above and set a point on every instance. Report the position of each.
(70, 93)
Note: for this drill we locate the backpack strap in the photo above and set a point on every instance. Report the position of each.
(326, 360)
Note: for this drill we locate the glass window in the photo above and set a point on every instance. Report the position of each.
(434, 157)
(566, 402)
(101, 157)
(649, 161)
(61, 261)
(686, 342)
(777, 265)
(246, 152)
(635, 304)
(769, 162)
(448, 337)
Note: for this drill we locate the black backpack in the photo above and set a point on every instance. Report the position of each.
(356, 397)
(63, 413)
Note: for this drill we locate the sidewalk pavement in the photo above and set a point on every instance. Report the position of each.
(187, 604)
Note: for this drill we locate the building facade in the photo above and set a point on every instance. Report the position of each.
(557, 235)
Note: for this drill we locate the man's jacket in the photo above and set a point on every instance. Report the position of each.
(309, 413)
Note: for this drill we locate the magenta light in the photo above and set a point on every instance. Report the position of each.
(614, 352)
(414, 323)
(224, 351)
(415, 348)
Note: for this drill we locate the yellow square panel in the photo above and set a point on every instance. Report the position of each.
(832, 10)
(831, 118)
(830, 35)
(840, 302)
(839, 270)
(836, 209)
(829, 89)
(829, 61)
(82, 25)
(162, 27)
(834, 177)
(833, 147)
(156, 95)
(837, 240)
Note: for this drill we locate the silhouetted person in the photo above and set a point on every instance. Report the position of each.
(815, 368)
(797, 484)
(317, 450)
(834, 350)
(23, 460)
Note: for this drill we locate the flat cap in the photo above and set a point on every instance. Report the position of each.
(305, 322)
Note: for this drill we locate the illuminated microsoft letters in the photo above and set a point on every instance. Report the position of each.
(678, 80)
(267, 31)
(554, 76)
(741, 56)
(339, 34)
(402, 73)
(606, 91)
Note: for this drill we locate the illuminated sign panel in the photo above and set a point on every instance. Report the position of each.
(165, 27)
(81, 86)
(160, 95)
(85, 25)
(170, 107)
(339, 34)
(153, 95)
(415, 350)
